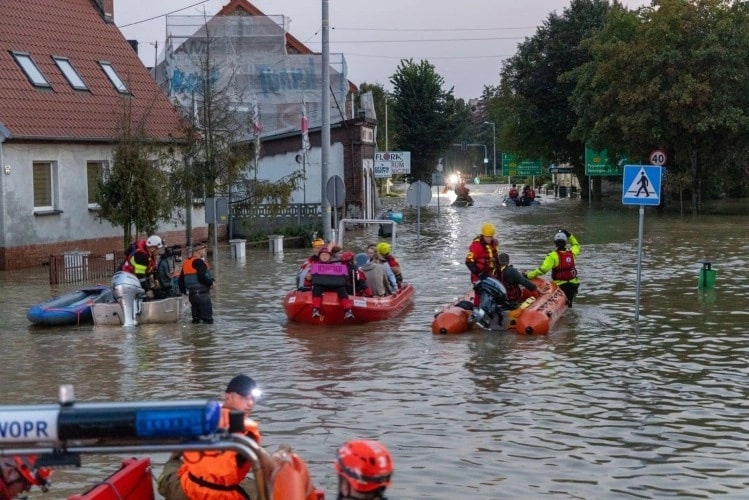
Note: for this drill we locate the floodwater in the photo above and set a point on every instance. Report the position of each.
(603, 407)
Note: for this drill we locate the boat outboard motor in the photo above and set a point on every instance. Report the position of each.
(492, 298)
(129, 294)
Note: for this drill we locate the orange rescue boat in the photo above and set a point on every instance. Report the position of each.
(534, 316)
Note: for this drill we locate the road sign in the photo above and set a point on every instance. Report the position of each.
(419, 194)
(514, 167)
(641, 185)
(597, 163)
(398, 161)
(658, 157)
(335, 190)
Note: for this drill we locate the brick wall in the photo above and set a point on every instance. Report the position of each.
(29, 256)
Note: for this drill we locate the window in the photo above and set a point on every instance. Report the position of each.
(44, 186)
(67, 69)
(32, 71)
(114, 77)
(95, 171)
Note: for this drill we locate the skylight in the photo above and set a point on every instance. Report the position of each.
(32, 71)
(67, 69)
(114, 77)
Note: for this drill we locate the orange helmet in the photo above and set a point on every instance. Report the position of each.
(366, 465)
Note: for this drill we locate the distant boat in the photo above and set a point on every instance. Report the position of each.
(72, 308)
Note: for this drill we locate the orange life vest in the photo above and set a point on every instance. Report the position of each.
(132, 267)
(215, 475)
(566, 269)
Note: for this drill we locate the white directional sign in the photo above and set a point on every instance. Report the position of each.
(399, 162)
(641, 185)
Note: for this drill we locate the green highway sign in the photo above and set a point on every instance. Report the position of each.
(597, 163)
(523, 168)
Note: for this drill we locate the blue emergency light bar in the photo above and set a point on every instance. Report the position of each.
(144, 420)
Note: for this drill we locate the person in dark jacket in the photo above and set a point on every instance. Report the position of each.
(195, 279)
(512, 279)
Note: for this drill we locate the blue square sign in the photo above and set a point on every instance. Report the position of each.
(641, 185)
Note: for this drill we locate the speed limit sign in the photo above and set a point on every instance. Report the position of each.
(658, 157)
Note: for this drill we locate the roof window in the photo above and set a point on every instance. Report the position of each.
(67, 69)
(114, 77)
(32, 71)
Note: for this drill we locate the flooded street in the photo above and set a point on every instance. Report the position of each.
(603, 407)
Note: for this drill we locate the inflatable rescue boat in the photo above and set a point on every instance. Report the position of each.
(534, 316)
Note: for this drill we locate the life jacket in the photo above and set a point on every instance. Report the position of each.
(131, 266)
(215, 475)
(191, 275)
(514, 293)
(483, 255)
(395, 267)
(566, 270)
(14, 469)
(513, 193)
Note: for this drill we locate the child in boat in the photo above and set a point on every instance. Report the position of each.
(326, 274)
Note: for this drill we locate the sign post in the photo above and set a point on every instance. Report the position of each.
(641, 186)
(419, 194)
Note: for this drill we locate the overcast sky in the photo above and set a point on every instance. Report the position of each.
(466, 40)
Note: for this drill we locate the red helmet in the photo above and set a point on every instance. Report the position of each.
(366, 465)
(347, 256)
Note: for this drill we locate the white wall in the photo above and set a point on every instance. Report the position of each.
(76, 222)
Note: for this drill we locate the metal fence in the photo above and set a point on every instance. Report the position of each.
(81, 267)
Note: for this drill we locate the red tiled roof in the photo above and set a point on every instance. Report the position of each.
(76, 30)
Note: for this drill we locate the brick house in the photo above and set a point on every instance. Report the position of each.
(67, 76)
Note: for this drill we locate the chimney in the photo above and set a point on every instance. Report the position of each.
(106, 7)
(133, 45)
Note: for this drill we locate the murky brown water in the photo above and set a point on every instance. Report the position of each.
(601, 408)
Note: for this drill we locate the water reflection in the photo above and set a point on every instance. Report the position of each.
(602, 408)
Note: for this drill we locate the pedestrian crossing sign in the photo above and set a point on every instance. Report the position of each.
(641, 185)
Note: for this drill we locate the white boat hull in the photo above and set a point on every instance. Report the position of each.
(167, 310)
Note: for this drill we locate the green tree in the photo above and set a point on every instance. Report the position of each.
(532, 100)
(673, 76)
(427, 119)
(135, 192)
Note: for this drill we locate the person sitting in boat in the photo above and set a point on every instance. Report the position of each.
(166, 285)
(18, 474)
(364, 469)
(384, 249)
(481, 258)
(374, 256)
(374, 272)
(561, 263)
(141, 261)
(528, 196)
(513, 194)
(512, 279)
(462, 192)
(357, 281)
(301, 275)
(326, 274)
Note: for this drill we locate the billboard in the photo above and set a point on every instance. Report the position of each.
(387, 163)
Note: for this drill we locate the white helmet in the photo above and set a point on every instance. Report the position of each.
(560, 236)
(154, 241)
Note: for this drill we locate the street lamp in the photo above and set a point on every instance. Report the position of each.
(494, 143)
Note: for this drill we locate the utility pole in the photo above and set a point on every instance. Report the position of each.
(325, 130)
(494, 143)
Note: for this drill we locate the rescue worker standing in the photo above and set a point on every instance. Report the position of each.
(561, 263)
(481, 258)
(141, 261)
(364, 470)
(195, 278)
(511, 278)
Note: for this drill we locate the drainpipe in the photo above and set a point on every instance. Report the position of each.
(4, 134)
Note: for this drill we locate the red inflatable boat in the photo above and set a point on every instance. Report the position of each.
(298, 307)
(534, 316)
